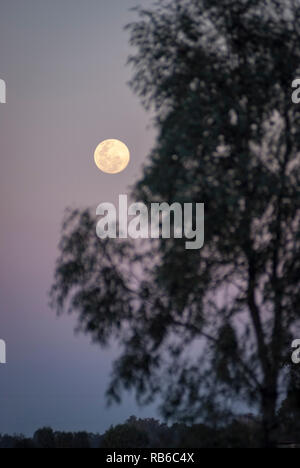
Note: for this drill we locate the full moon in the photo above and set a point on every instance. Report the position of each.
(112, 156)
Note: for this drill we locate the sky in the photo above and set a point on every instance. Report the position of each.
(64, 64)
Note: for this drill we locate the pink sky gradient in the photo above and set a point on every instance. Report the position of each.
(64, 65)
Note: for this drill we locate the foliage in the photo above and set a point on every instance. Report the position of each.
(44, 438)
(145, 433)
(204, 331)
(289, 413)
(124, 436)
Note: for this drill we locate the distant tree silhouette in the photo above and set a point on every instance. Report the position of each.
(64, 440)
(81, 440)
(144, 433)
(204, 330)
(23, 442)
(159, 435)
(6, 441)
(44, 438)
(125, 436)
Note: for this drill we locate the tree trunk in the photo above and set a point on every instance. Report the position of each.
(269, 418)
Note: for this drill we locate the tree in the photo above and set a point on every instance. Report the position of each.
(289, 413)
(158, 435)
(23, 443)
(44, 438)
(7, 441)
(205, 329)
(81, 440)
(64, 440)
(126, 435)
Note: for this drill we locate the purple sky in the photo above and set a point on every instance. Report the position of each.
(64, 65)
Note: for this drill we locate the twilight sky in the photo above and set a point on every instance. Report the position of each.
(64, 65)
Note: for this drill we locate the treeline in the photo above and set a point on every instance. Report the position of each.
(145, 433)
(243, 431)
(141, 433)
(47, 438)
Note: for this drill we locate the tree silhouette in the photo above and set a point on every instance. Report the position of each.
(204, 330)
(44, 438)
(289, 413)
(125, 435)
